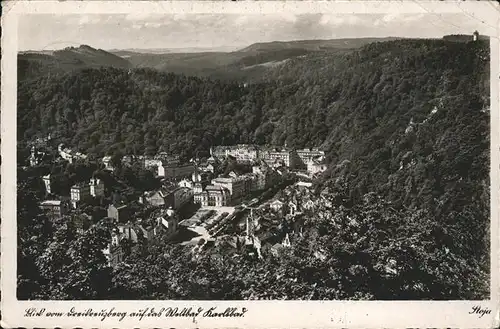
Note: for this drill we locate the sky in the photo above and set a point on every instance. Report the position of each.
(225, 32)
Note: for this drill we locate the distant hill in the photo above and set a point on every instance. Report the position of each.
(34, 63)
(243, 64)
(313, 45)
(249, 64)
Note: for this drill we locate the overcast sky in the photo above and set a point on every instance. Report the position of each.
(224, 31)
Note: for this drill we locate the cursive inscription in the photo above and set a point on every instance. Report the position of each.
(478, 310)
(165, 312)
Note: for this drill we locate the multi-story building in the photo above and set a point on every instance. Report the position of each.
(175, 197)
(217, 196)
(174, 171)
(241, 152)
(180, 197)
(96, 187)
(211, 165)
(281, 157)
(238, 187)
(54, 208)
(306, 155)
(78, 193)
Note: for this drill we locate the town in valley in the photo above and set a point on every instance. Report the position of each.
(256, 207)
(291, 166)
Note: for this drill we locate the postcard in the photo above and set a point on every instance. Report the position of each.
(253, 164)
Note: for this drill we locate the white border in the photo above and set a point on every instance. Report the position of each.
(261, 314)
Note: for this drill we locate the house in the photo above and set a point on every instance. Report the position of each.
(96, 187)
(120, 213)
(78, 193)
(276, 205)
(54, 208)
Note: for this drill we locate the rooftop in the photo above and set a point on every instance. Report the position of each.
(51, 203)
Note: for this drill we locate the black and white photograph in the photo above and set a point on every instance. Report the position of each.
(253, 157)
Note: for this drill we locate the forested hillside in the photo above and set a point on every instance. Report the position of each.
(405, 126)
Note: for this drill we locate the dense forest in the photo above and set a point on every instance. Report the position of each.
(405, 126)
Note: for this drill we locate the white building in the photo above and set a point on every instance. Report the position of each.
(78, 193)
(107, 163)
(68, 155)
(47, 180)
(316, 165)
(276, 205)
(185, 183)
(152, 163)
(278, 157)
